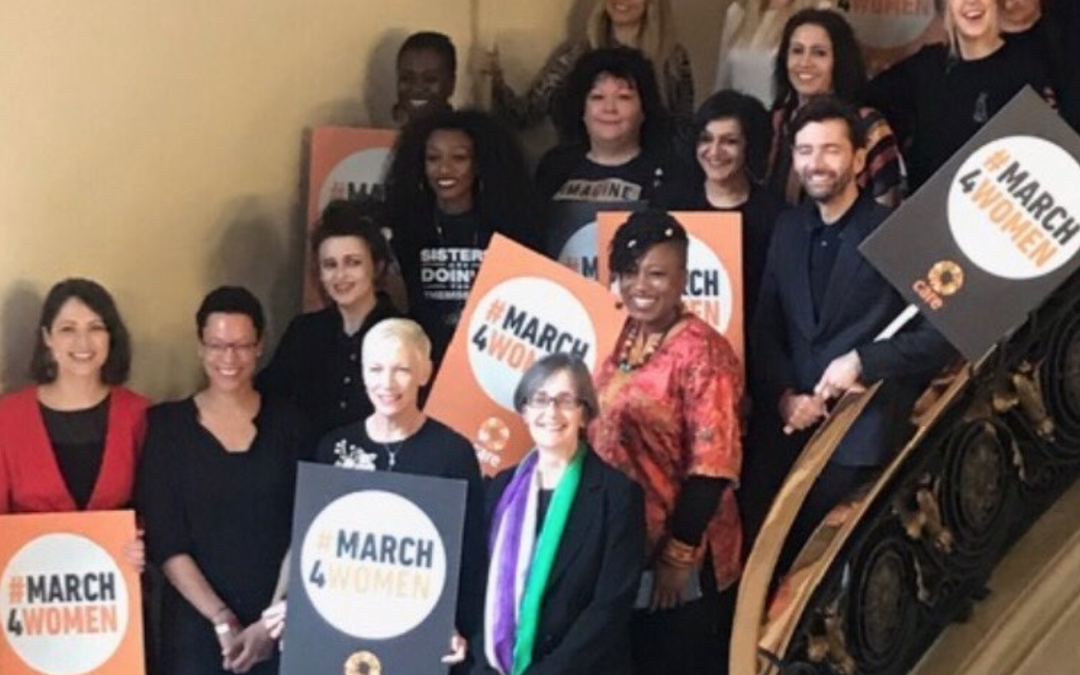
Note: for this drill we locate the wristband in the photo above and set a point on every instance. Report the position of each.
(679, 554)
(228, 624)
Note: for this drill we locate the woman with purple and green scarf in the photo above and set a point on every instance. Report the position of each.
(566, 538)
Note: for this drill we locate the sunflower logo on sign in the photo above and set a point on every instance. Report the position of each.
(363, 663)
(946, 278)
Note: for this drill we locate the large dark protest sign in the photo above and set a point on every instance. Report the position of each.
(993, 232)
(374, 572)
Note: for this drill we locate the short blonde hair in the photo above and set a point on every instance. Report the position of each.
(405, 332)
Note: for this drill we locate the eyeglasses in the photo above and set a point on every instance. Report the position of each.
(564, 401)
(241, 349)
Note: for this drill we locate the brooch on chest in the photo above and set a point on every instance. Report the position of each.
(351, 456)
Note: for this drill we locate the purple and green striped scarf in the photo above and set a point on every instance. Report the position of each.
(521, 563)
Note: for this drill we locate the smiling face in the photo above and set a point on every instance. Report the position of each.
(450, 167)
(613, 113)
(652, 291)
(625, 13)
(229, 351)
(810, 61)
(393, 375)
(554, 415)
(721, 150)
(425, 82)
(78, 340)
(826, 161)
(347, 271)
(1018, 15)
(974, 20)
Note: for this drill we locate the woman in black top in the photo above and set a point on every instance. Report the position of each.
(616, 152)
(317, 363)
(725, 162)
(399, 437)
(571, 529)
(938, 98)
(457, 178)
(216, 485)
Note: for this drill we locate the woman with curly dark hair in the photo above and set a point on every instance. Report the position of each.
(819, 56)
(617, 147)
(457, 178)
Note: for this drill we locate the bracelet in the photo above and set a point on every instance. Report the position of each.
(679, 554)
(225, 621)
(223, 628)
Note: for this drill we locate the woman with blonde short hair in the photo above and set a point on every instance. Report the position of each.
(399, 437)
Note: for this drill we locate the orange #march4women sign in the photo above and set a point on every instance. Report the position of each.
(522, 307)
(69, 601)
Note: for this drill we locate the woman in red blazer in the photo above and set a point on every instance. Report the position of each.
(71, 441)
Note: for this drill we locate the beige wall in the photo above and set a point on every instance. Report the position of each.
(158, 146)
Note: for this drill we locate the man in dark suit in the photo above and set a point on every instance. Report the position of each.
(821, 307)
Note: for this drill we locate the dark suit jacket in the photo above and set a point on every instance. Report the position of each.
(585, 621)
(793, 347)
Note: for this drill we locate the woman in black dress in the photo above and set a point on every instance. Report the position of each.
(216, 486)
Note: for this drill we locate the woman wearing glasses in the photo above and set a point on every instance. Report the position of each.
(566, 538)
(669, 397)
(216, 486)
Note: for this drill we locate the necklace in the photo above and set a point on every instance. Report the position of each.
(628, 360)
(392, 450)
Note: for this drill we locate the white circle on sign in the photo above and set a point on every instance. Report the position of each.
(1007, 203)
(882, 25)
(359, 174)
(579, 253)
(73, 611)
(708, 290)
(373, 565)
(519, 322)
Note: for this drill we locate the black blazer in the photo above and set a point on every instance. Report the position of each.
(585, 620)
(793, 348)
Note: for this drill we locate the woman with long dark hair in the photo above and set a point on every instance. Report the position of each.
(819, 56)
(457, 178)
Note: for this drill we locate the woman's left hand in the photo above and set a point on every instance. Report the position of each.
(669, 584)
(458, 648)
(135, 552)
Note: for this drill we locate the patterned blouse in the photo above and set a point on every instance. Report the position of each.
(674, 417)
(884, 170)
(677, 87)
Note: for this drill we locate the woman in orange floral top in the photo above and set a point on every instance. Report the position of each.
(669, 419)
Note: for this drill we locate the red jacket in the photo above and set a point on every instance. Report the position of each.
(30, 480)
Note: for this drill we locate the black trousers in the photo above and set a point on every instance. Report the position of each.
(692, 639)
